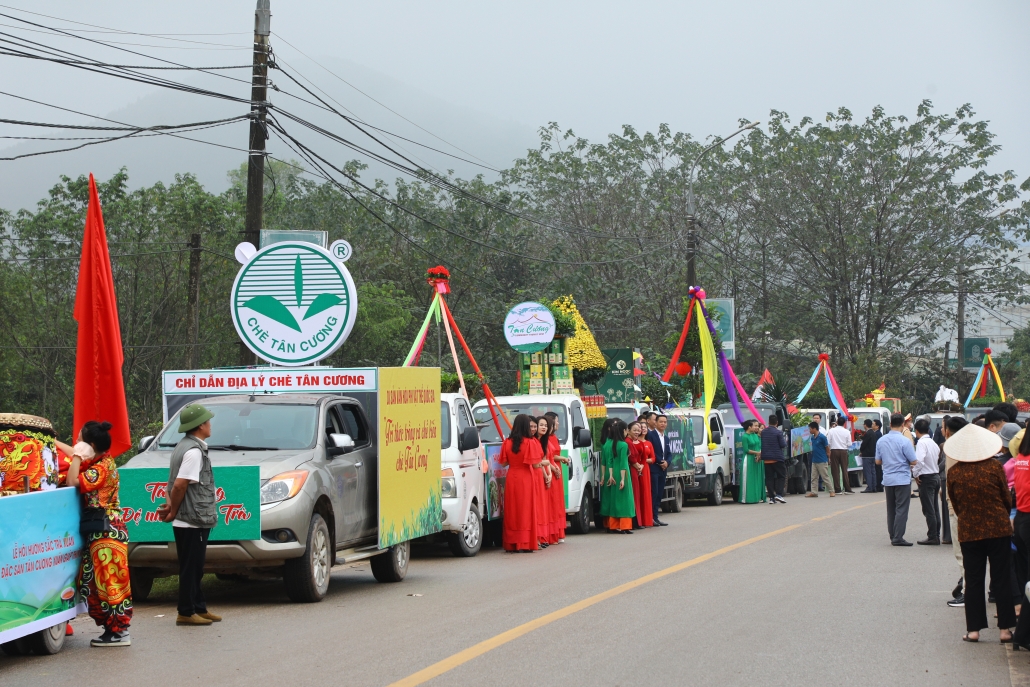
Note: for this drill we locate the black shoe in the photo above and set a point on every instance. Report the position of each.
(659, 523)
(112, 639)
(868, 491)
(901, 543)
(946, 542)
(958, 602)
(929, 542)
(990, 598)
(957, 591)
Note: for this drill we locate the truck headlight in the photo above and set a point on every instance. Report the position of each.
(283, 486)
(448, 487)
(699, 465)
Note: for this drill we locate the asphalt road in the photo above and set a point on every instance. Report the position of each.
(807, 593)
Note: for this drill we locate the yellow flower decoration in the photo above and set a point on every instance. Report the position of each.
(581, 347)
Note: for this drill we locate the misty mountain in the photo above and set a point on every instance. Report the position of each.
(159, 157)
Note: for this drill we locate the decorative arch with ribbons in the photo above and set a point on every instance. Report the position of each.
(711, 361)
(980, 383)
(439, 278)
(836, 397)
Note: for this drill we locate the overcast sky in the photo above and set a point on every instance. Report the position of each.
(508, 68)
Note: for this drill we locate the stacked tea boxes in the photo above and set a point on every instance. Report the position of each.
(546, 372)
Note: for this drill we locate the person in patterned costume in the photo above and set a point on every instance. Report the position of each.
(104, 577)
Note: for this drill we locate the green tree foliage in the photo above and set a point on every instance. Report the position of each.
(843, 236)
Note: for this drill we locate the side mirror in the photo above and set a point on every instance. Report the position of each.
(342, 443)
(716, 437)
(581, 438)
(469, 439)
(145, 442)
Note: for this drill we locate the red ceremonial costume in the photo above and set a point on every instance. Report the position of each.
(556, 493)
(542, 498)
(104, 576)
(520, 517)
(639, 454)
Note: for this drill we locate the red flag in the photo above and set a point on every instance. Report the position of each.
(99, 388)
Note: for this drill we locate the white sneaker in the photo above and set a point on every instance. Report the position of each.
(781, 499)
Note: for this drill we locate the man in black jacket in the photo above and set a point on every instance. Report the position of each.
(868, 453)
(773, 443)
(660, 442)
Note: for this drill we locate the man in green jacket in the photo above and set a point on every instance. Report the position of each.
(192, 510)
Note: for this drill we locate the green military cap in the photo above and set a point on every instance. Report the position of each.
(193, 416)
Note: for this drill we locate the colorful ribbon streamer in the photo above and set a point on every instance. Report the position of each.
(420, 339)
(980, 383)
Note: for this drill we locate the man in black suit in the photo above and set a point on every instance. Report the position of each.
(868, 453)
(660, 442)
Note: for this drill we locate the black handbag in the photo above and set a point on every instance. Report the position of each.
(94, 521)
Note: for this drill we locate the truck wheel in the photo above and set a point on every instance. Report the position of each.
(581, 520)
(735, 493)
(676, 505)
(715, 498)
(469, 540)
(47, 642)
(307, 577)
(140, 583)
(392, 566)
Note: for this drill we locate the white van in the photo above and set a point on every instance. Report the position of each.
(463, 463)
(573, 436)
(627, 412)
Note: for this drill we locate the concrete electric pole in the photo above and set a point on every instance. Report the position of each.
(258, 136)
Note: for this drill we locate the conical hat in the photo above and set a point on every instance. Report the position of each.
(971, 444)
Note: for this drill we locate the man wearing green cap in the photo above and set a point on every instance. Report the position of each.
(191, 509)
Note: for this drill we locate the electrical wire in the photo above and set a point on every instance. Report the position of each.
(114, 121)
(485, 164)
(107, 29)
(278, 128)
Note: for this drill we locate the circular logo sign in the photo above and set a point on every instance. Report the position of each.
(529, 327)
(293, 303)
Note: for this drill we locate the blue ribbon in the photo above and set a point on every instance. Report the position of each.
(808, 387)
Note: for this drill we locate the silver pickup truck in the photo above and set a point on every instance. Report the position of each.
(318, 459)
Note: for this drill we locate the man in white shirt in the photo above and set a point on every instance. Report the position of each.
(928, 478)
(840, 439)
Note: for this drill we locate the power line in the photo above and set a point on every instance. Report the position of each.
(340, 78)
(114, 121)
(130, 33)
(277, 127)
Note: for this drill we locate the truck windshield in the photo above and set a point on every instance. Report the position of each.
(730, 418)
(256, 426)
(445, 424)
(627, 415)
(488, 433)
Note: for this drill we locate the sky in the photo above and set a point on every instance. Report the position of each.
(484, 76)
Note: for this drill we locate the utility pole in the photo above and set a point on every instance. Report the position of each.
(258, 135)
(692, 210)
(961, 322)
(193, 302)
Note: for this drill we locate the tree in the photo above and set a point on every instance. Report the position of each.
(870, 225)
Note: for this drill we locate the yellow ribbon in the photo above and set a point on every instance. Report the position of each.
(997, 378)
(710, 367)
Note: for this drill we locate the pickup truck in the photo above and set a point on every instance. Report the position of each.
(318, 456)
(581, 498)
(462, 483)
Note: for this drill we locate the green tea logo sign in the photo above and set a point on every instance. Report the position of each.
(293, 303)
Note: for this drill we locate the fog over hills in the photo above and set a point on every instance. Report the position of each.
(158, 158)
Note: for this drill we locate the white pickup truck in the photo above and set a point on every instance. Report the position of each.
(462, 485)
(573, 436)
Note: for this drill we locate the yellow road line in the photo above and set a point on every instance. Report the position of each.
(455, 660)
